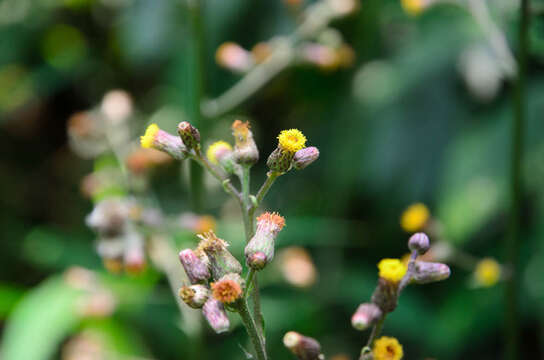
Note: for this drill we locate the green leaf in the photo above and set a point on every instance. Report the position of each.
(40, 321)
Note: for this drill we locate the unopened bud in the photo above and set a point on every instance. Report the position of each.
(419, 242)
(196, 270)
(221, 261)
(245, 149)
(158, 139)
(228, 289)
(305, 157)
(215, 314)
(366, 315)
(189, 135)
(260, 249)
(220, 153)
(195, 295)
(280, 160)
(427, 272)
(305, 348)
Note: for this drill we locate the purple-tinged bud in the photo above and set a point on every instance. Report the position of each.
(196, 269)
(195, 295)
(305, 157)
(220, 260)
(280, 160)
(215, 313)
(419, 242)
(189, 135)
(257, 261)
(260, 249)
(427, 272)
(366, 315)
(304, 348)
(245, 149)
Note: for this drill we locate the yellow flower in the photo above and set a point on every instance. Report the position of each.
(414, 7)
(215, 148)
(149, 136)
(414, 217)
(387, 348)
(488, 272)
(291, 140)
(392, 269)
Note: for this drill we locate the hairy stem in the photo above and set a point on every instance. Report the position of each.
(252, 330)
(511, 244)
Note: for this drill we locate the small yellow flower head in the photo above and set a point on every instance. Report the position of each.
(414, 217)
(488, 272)
(392, 269)
(414, 7)
(387, 348)
(149, 137)
(291, 140)
(217, 150)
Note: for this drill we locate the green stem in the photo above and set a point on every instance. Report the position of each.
(249, 282)
(229, 188)
(248, 227)
(271, 176)
(512, 240)
(252, 330)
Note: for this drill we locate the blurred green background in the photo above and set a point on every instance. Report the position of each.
(423, 115)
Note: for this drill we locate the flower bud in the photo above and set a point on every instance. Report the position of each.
(228, 289)
(245, 149)
(196, 270)
(221, 261)
(280, 160)
(220, 153)
(305, 348)
(158, 139)
(427, 272)
(215, 314)
(233, 57)
(189, 135)
(419, 242)
(367, 314)
(195, 295)
(260, 249)
(305, 157)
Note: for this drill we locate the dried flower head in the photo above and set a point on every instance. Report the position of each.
(392, 270)
(217, 150)
(228, 289)
(387, 348)
(245, 149)
(210, 243)
(213, 251)
(291, 140)
(195, 295)
(189, 135)
(487, 272)
(414, 217)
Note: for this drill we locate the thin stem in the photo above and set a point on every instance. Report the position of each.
(376, 330)
(249, 282)
(245, 202)
(511, 244)
(229, 188)
(271, 176)
(252, 330)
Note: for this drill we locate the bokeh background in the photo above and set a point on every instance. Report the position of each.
(423, 114)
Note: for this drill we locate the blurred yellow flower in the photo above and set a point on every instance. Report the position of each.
(291, 140)
(414, 7)
(488, 272)
(216, 147)
(392, 269)
(387, 348)
(414, 217)
(147, 139)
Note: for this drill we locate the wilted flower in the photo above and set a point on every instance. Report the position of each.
(488, 272)
(387, 348)
(214, 250)
(195, 295)
(305, 348)
(245, 149)
(415, 217)
(158, 139)
(189, 135)
(215, 314)
(262, 243)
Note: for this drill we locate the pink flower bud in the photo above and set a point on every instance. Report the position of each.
(215, 314)
(427, 272)
(367, 314)
(305, 348)
(305, 157)
(195, 269)
(419, 242)
(260, 249)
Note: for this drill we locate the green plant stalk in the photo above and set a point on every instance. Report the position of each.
(271, 177)
(252, 330)
(245, 180)
(512, 243)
